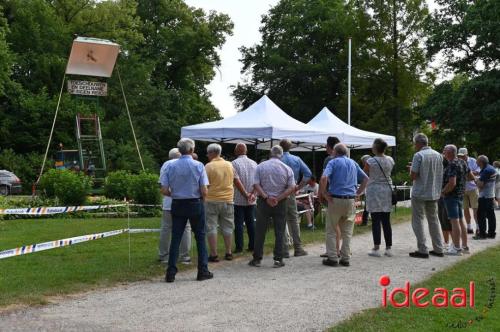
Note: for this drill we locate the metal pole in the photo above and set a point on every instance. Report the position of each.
(349, 85)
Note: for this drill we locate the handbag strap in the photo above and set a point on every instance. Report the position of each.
(381, 169)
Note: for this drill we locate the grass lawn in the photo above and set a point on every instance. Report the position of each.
(31, 279)
(479, 268)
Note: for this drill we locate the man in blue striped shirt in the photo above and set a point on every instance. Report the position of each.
(299, 169)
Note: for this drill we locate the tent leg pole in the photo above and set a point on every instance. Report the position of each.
(314, 163)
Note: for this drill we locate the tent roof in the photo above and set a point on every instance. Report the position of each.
(92, 57)
(330, 125)
(262, 121)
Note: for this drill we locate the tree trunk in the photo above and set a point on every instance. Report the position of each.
(395, 92)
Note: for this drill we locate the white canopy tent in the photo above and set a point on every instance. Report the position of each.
(330, 125)
(262, 122)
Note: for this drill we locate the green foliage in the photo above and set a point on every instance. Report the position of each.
(117, 185)
(466, 113)
(169, 51)
(26, 167)
(69, 187)
(302, 59)
(467, 33)
(145, 189)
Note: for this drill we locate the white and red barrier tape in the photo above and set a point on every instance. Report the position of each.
(29, 249)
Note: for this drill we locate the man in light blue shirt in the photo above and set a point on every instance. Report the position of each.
(299, 168)
(343, 175)
(185, 180)
(166, 221)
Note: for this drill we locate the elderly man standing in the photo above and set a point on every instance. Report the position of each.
(166, 221)
(186, 182)
(273, 182)
(342, 176)
(456, 174)
(244, 201)
(471, 194)
(486, 185)
(219, 203)
(299, 169)
(427, 174)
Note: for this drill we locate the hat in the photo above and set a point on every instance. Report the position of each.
(462, 152)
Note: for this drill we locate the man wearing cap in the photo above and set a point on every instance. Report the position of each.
(471, 192)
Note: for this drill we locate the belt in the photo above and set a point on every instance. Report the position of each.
(186, 199)
(343, 197)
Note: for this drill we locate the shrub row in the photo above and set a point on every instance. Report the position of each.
(72, 188)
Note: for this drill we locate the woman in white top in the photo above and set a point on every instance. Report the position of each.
(379, 196)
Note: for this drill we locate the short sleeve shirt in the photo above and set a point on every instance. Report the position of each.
(456, 168)
(220, 176)
(487, 176)
(184, 177)
(428, 164)
(244, 170)
(274, 177)
(343, 176)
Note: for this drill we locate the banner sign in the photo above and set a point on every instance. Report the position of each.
(87, 88)
(28, 249)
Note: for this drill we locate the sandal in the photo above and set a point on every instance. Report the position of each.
(213, 259)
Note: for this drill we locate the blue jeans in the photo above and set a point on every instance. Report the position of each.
(244, 214)
(454, 207)
(182, 211)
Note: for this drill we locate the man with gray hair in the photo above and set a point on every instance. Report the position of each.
(219, 207)
(273, 182)
(342, 175)
(486, 210)
(166, 221)
(185, 180)
(303, 173)
(455, 176)
(426, 171)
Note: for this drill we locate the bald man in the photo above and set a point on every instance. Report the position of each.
(244, 199)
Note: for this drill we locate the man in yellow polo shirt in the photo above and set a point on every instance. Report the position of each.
(219, 209)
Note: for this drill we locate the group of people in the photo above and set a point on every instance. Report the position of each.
(445, 187)
(229, 195)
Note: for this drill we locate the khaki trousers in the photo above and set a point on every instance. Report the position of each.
(429, 210)
(341, 212)
(293, 223)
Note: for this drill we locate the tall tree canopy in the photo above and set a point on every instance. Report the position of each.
(169, 54)
(301, 62)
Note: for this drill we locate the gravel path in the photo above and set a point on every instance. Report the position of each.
(302, 296)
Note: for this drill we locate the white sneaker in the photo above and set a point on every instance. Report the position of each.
(452, 251)
(186, 260)
(388, 252)
(375, 253)
(445, 246)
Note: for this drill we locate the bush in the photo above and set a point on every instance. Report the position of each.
(117, 185)
(69, 187)
(144, 189)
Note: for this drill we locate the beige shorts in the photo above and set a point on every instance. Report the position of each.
(470, 199)
(219, 214)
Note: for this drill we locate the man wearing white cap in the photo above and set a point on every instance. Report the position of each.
(471, 193)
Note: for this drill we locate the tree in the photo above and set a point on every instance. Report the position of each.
(467, 33)
(466, 112)
(302, 59)
(168, 54)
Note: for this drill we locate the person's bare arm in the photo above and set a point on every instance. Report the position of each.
(322, 193)
(290, 190)
(165, 191)
(362, 187)
(413, 175)
(240, 187)
(366, 169)
(470, 176)
(452, 183)
(203, 191)
(480, 184)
